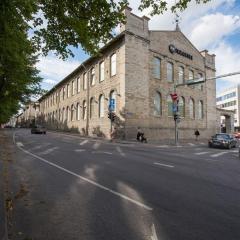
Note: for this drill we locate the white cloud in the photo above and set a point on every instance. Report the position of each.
(54, 68)
(227, 61)
(50, 81)
(211, 29)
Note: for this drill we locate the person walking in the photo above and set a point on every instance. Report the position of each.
(197, 134)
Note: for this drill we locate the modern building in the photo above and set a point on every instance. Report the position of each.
(139, 69)
(228, 99)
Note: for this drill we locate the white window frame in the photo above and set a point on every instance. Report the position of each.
(113, 65)
(101, 71)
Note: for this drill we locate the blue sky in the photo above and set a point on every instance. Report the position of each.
(214, 26)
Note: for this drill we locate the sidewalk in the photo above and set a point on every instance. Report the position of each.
(171, 142)
(3, 221)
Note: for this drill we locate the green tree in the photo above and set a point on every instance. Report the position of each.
(28, 27)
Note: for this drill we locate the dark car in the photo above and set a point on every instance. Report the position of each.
(38, 129)
(223, 140)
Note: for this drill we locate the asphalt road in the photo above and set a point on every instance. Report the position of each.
(66, 187)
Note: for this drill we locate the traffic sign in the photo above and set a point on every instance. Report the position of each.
(112, 104)
(174, 96)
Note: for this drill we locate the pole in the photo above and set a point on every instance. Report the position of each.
(175, 118)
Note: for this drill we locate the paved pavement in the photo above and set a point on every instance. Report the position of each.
(66, 187)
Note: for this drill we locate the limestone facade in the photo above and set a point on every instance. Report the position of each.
(81, 105)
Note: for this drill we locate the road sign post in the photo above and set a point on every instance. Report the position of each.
(175, 113)
(111, 109)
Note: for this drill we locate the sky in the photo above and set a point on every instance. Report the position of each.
(214, 26)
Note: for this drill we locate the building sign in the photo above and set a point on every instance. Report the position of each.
(173, 50)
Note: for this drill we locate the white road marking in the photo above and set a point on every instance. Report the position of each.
(202, 143)
(79, 150)
(19, 144)
(218, 154)
(83, 142)
(120, 151)
(49, 150)
(191, 144)
(96, 145)
(201, 153)
(164, 165)
(162, 146)
(102, 152)
(154, 233)
(234, 151)
(89, 181)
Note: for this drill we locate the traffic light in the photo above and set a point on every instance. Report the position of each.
(174, 96)
(111, 116)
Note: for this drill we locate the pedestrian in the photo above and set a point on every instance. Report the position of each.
(197, 134)
(140, 135)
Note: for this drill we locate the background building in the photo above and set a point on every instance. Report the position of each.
(228, 99)
(138, 69)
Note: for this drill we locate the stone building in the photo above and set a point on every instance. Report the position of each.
(139, 69)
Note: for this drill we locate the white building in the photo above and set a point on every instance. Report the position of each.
(229, 100)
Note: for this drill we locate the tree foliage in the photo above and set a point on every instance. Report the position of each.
(28, 27)
(160, 6)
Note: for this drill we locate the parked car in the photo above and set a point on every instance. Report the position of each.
(237, 135)
(38, 129)
(223, 140)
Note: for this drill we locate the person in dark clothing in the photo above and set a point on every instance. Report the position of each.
(140, 136)
(197, 134)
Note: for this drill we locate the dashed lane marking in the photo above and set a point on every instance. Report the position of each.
(191, 144)
(87, 180)
(80, 150)
(164, 165)
(109, 153)
(120, 151)
(218, 154)
(83, 142)
(201, 153)
(49, 150)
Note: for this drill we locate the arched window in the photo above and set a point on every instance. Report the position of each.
(180, 75)
(157, 104)
(190, 75)
(191, 109)
(63, 114)
(85, 81)
(113, 96)
(170, 106)
(67, 114)
(200, 109)
(91, 107)
(181, 106)
(59, 114)
(101, 106)
(84, 110)
(113, 65)
(78, 112)
(169, 72)
(101, 71)
(92, 76)
(157, 68)
(72, 112)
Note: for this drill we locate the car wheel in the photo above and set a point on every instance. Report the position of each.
(44, 132)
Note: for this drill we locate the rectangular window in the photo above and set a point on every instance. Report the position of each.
(156, 68)
(68, 91)
(180, 75)
(113, 65)
(190, 75)
(169, 72)
(101, 72)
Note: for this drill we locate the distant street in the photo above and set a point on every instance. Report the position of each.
(67, 187)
